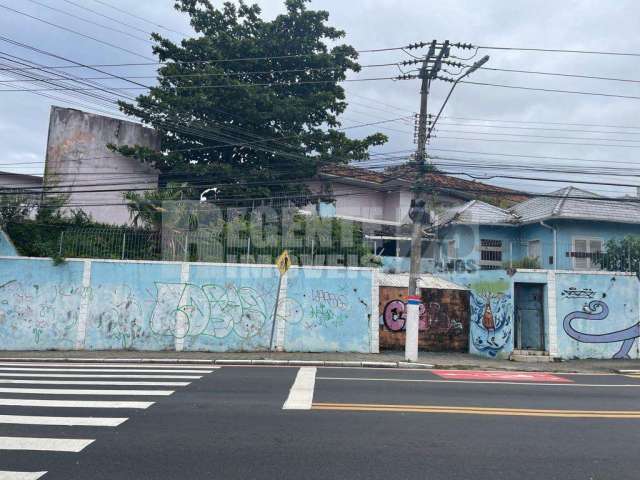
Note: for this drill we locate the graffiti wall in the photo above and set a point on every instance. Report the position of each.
(443, 319)
(491, 311)
(39, 306)
(597, 316)
(328, 310)
(228, 308)
(124, 310)
(103, 305)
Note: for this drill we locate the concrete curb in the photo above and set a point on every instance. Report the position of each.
(633, 372)
(227, 362)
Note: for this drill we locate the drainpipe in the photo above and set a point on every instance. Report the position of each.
(555, 243)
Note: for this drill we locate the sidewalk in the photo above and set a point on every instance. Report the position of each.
(427, 359)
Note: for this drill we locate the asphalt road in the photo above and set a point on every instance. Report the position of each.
(197, 422)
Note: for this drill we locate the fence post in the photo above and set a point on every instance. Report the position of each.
(186, 247)
(248, 249)
(60, 246)
(313, 244)
(124, 241)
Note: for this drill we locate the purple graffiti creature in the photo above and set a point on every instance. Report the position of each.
(599, 311)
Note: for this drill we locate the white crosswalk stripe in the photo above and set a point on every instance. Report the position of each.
(97, 370)
(62, 421)
(39, 386)
(21, 402)
(44, 444)
(77, 391)
(109, 365)
(94, 382)
(5, 475)
(85, 375)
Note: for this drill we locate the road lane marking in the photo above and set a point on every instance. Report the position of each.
(97, 370)
(301, 393)
(94, 382)
(423, 380)
(4, 475)
(107, 365)
(61, 421)
(79, 391)
(44, 444)
(477, 410)
(84, 375)
(22, 402)
(500, 376)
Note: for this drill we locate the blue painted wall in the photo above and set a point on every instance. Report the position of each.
(597, 316)
(126, 307)
(230, 308)
(491, 302)
(329, 311)
(151, 306)
(6, 246)
(39, 304)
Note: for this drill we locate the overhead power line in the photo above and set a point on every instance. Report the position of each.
(91, 22)
(141, 18)
(534, 122)
(205, 87)
(557, 74)
(560, 50)
(552, 90)
(113, 19)
(206, 75)
(75, 32)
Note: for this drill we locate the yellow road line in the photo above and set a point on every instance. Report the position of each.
(477, 410)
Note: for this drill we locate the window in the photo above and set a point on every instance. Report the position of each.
(490, 254)
(534, 249)
(452, 251)
(586, 252)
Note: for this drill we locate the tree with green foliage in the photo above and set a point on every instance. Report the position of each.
(15, 208)
(253, 128)
(620, 255)
(147, 209)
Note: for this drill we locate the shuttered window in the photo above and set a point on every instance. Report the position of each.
(586, 253)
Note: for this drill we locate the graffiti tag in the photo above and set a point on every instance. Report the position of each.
(573, 292)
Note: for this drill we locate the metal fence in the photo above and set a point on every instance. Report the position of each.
(204, 246)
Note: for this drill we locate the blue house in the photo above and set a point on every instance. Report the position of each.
(564, 230)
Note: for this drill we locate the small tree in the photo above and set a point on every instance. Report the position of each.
(620, 255)
(15, 208)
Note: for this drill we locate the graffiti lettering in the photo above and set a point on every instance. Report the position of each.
(332, 299)
(430, 318)
(598, 311)
(573, 292)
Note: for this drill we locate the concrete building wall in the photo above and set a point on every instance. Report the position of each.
(103, 305)
(78, 162)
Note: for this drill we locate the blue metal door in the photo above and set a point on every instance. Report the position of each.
(529, 316)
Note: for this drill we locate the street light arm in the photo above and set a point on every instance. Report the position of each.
(202, 195)
(471, 69)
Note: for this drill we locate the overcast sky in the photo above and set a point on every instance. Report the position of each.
(585, 25)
